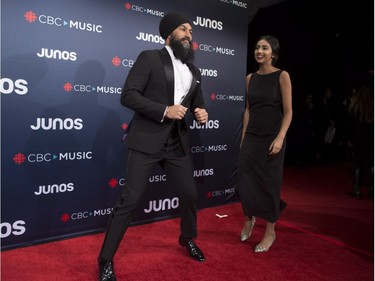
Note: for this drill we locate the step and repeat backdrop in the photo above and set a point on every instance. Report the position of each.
(63, 65)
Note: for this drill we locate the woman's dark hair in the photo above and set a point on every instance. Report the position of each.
(275, 46)
(362, 105)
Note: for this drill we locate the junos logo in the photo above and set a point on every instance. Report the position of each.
(209, 23)
(162, 205)
(17, 228)
(203, 173)
(150, 38)
(57, 124)
(8, 86)
(57, 54)
(211, 124)
(208, 72)
(54, 188)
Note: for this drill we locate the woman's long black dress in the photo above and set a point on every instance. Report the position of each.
(259, 174)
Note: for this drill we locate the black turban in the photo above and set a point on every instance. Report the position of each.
(170, 22)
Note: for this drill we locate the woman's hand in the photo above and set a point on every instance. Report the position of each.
(276, 146)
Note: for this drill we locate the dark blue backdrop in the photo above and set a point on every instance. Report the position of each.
(63, 66)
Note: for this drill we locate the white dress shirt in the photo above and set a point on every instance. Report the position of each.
(182, 77)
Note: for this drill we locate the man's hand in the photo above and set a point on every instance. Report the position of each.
(176, 112)
(201, 115)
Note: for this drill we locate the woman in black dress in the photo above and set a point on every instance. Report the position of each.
(266, 120)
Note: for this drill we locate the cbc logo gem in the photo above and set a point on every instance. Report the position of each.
(19, 158)
(113, 183)
(30, 16)
(117, 61)
(68, 87)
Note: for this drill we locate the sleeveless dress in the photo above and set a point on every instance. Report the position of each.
(260, 174)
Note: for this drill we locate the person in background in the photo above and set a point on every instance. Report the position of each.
(361, 138)
(304, 132)
(161, 87)
(325, 126)
(267, 117)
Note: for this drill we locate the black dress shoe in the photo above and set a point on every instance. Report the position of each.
(106, 271)
(193, 249)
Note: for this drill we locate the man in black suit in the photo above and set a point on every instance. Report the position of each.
(161, 86)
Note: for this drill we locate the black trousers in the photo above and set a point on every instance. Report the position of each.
(179, 171)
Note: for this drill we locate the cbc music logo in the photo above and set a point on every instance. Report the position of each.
(224, 97)
(32, 17)
(142, 36)
(54, 124)
(113, 182)
(8, 86)
(80, 215)
(209, 23)
(210, 125)
(21, 158)
(117, 61)
(79, 88)
(16, 228)
(220, 192)
(57, 54)
(209, 148)
(54, 188)
(213, 49)
(140, 9)
(236, 3)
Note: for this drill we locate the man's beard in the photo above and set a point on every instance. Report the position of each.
(183, 52)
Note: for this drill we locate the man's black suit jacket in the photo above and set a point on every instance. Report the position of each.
(148, 89)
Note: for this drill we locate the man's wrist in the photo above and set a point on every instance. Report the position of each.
(165, 113)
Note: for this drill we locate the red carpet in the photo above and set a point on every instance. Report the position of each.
(322, 235)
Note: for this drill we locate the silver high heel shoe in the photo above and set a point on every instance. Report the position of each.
(246, 235)
(261, 249)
